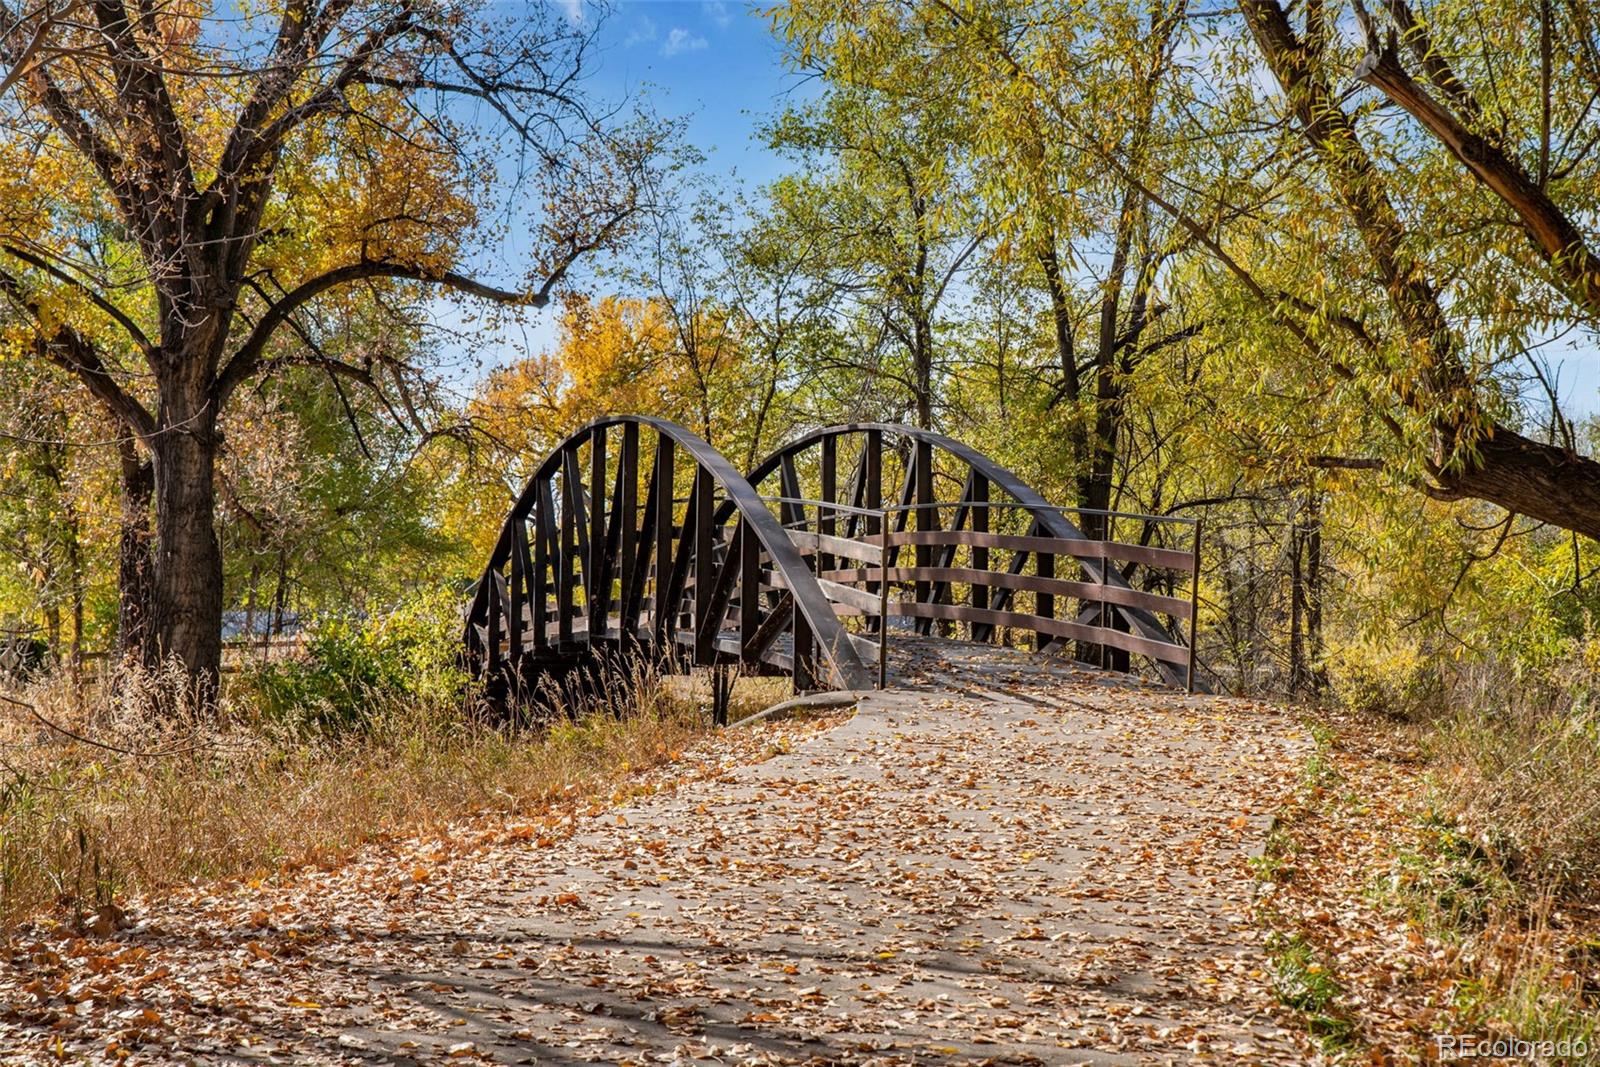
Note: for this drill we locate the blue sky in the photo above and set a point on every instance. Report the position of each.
(715, 64)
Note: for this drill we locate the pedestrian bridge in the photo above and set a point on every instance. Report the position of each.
(635, 540)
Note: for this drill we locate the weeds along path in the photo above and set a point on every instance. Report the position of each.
(1033, 868)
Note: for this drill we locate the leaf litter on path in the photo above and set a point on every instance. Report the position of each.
(1037, 869)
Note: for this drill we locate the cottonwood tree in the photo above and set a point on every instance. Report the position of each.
(181, 181)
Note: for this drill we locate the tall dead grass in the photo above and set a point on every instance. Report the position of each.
(100, 798)
(1512, 873)
(1518, 765)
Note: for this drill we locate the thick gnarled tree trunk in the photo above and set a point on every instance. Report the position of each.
(135, 556)
(187, 582)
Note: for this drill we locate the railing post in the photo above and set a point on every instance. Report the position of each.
(519, 586)
(826, 516)
(565, 579)
(1044, 604)
(493, 623)
(883, 604)
(979, 591)
(596, 573)
(1100, 619)
(749, 595)
(872, 456)
(666, 501)
(705, 569)
(927, 517)
(1194, 605)
(628, 529)
(546, 550)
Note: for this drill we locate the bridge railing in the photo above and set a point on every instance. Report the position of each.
(634, 538)
(997, 572)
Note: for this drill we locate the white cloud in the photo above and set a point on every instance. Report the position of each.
(717, 12)
(644, 31)
(572, 9)
(681, 40)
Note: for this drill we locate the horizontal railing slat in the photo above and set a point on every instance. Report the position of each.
(1170, 558)
(1165, 651)
(863, 599)
(1029, 583)
(811, 543)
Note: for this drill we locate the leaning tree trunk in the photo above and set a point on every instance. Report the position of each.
(135, 558)
(1527, 477)
(188, 572)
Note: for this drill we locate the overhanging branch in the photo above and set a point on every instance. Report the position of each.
(247, 359)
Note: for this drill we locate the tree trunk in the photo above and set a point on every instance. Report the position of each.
(1297, 606)
(1318, 677)
(135, 562)
(188, 564)
(280, 595)
(52, 631)
(75, 592)
(1532, 478)
(250, 611)
(922, 371)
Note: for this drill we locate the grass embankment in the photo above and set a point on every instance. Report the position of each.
(1434, 888)
(144, 802)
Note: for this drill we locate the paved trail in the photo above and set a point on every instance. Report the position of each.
(1028, 867)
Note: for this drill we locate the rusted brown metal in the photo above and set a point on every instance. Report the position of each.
(999, 562)
(710, 573)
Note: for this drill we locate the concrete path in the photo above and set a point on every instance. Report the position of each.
(1013, 862)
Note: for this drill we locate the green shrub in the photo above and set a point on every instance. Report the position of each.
(351, 669)
(1387, 678)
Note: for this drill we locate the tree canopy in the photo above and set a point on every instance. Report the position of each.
(186, 185)
(1300, 269)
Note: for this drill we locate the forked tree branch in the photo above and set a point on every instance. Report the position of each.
(60, 344)
(1553, 234)
(246, 360)
(121, 317)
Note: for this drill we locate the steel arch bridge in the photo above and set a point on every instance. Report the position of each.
(636, 538)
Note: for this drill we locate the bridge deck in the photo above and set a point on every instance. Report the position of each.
(915, 660)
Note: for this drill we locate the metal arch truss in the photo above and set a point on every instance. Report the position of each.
(587, 565)
(636, 538)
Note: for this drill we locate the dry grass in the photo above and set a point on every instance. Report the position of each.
(1415, 932)
(1511, 867)
(1522, 775)
(1457, 843)
(166, 803)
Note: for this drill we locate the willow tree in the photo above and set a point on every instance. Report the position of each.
(1075, 230)
(1386, 231)
(183, 181)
